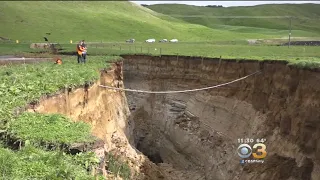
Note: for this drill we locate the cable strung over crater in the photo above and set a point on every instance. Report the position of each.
(181, 91)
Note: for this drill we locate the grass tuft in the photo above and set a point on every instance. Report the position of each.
(118, 167)
(35, 163)
(52, 128)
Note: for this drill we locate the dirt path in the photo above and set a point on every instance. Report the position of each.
(9, 59)
(303, 43)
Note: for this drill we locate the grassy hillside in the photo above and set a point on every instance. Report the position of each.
(307, 17)
(105, 21)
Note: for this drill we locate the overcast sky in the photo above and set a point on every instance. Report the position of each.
(224, 3)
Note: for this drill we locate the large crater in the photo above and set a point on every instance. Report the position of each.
(196, 134)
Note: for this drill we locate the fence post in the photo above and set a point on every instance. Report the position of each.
(160, 51)
(218, 68)
(202, 62)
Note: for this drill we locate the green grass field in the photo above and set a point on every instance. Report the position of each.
(114, 22)
(118, 21)
(310, 55)
(306, 21)
(95, 21)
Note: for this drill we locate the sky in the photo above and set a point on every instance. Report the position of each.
(224, 3)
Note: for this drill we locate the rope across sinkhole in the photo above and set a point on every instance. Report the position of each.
(181, 91)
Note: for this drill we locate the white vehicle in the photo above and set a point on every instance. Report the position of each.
(130, 40)
(150, 40)
(163, 40)
(174, 40)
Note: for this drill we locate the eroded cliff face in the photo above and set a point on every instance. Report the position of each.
(194, 135)
(106, 111)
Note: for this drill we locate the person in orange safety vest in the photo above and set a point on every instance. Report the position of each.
(82, 52)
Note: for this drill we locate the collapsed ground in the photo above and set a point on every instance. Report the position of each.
(194, 135)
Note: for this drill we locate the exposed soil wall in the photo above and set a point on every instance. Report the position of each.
(106, 111)
(195, 134)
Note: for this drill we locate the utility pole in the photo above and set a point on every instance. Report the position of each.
(289, 33)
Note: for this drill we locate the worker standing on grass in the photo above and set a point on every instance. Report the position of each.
(79, 52)
(82, 52)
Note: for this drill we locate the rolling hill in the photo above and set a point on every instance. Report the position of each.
(109, 21)
(306, 17)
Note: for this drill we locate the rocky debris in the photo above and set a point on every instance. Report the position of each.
(119, 142)
(189, 114)
(177, 106)
(84, 147)
(132, 108)
(118, 71)
(176, 174)
(188, 123)
(176, 109)
(141, 167)
(98, 147)
(204, 134)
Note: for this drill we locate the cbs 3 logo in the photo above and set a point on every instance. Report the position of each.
(244, 151)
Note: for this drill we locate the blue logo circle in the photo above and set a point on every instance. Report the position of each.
(244, 151)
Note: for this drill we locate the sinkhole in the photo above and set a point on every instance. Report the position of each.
(197, 133)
